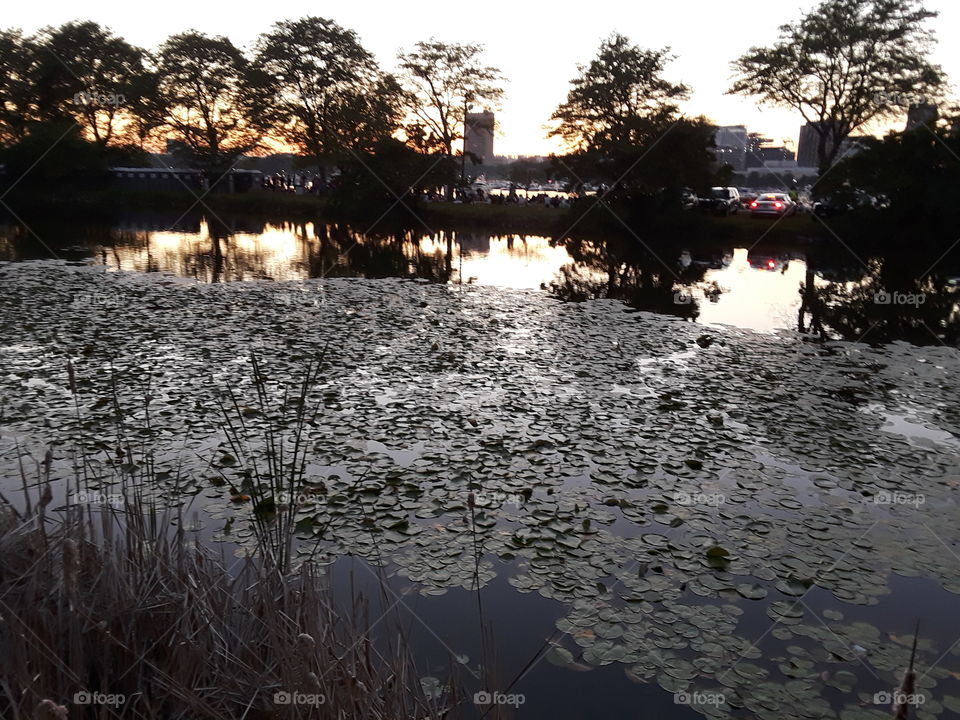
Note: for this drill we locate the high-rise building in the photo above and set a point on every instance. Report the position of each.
(809, 141)
(478, 135)
(731, 146)
(923, 113)
(755, 142)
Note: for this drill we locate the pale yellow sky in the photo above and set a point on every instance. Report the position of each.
(537, 45)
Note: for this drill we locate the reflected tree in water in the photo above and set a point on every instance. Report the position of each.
(889, 300)
(640, 279)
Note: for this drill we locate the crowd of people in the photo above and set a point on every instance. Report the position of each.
(301, 183)
(306, 183)
(480, 195)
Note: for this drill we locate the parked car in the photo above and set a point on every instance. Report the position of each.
(772, 205)
(721, 201)
(827, 206)
(747, 197)
(846, 201)
(765, 262)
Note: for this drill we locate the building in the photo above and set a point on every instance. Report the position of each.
(183, 179)
(921, 114)
(779, 154)
(807, 145)
(731, 146)
(478, 136)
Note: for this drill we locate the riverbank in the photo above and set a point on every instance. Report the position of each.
(689, 228)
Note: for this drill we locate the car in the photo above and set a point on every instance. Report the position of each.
(721, 201)
(765, 262)
(772, 205)
(848, 200)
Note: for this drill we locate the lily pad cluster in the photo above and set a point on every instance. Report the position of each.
(711, 516)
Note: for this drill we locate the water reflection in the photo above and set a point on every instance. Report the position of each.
(806, 288)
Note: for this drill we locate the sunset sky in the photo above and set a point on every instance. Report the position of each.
(536, 45)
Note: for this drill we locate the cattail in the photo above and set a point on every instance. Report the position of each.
(306, 642)
(313, 681)
(46, 496)
(71, 377)
(901, 704)
(71, 564)
(49, 710)
(471, 501)
(8, 520)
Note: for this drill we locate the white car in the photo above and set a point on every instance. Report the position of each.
(772, 204)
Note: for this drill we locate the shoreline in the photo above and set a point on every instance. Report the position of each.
(556, 223)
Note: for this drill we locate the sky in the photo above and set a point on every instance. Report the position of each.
(536, 45)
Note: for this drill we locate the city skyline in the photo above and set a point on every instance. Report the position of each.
(537, 51)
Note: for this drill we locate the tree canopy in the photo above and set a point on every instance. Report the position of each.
(216, 103)
(329, 94)
(844, 64)
(442, 81)
(622, 122)
(617, 97)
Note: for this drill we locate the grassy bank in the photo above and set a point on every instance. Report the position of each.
(582, 220)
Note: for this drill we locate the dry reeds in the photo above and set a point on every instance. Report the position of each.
(110, 611)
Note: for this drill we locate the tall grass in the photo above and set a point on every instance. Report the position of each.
(115, 604)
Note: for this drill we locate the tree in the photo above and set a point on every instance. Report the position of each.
(146, 107)
(389, 176)
(17, 55)
(617, 97)
(86, 74)
(844, 64)
(443, 80)
(53, 159)
(329, 95)
(622, 123)
(216, 105)
(916, 172)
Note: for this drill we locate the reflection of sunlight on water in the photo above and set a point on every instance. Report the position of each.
(278, 246)
(754, 298)
(916, 430)
(277, 251)
(513, 261)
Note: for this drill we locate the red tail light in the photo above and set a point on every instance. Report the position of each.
(753, 204)
(771, 264)
(778, 205)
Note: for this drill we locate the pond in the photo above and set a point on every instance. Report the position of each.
(757, 288)
(687, 519)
